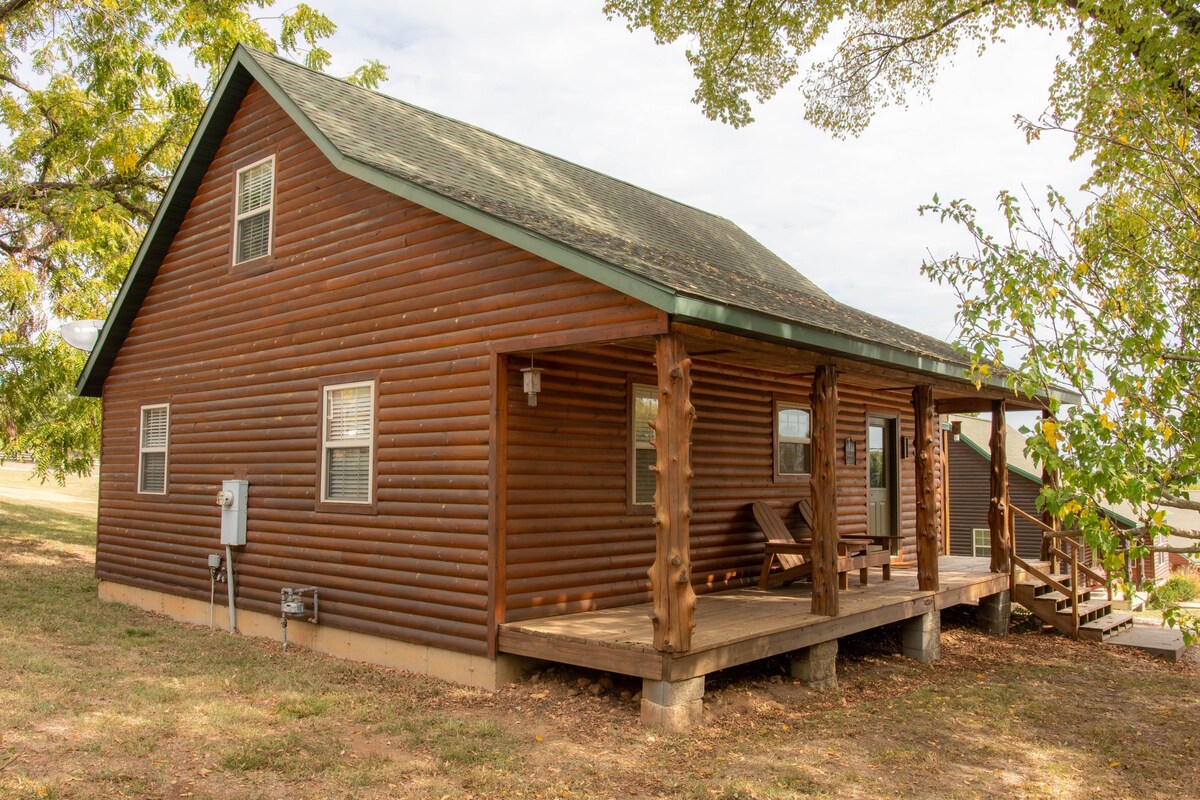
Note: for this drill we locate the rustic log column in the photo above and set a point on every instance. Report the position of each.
(998, 505)
(1049, 478)
(823, 486)
(671, 574)
(929, 506)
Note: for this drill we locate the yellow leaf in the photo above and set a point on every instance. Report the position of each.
(1107, 423)
(1109, 396)
(1050, 432)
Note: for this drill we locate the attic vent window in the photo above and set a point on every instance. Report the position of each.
(152, 450)
(255, 203)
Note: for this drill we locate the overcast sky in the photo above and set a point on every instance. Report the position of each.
(560, 77)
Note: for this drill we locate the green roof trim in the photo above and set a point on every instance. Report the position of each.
(192, 166)
(987, 456)
(984, 451)
(690, 264)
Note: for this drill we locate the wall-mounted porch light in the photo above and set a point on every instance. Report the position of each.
(532, 381)
(851, 457)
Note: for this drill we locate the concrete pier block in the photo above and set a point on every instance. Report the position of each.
(995, 611)
(673, 706)
(921, 637)
(816, 665)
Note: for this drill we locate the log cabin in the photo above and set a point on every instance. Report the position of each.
(968, 466)
(494, 406)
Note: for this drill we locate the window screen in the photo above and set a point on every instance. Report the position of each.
(792, 439)
(645, 409)
(349, 418)
(255, 201)
(152, 450)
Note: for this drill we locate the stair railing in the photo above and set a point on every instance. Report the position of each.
(1074, 588)
(1057, 553)
(1057, 556)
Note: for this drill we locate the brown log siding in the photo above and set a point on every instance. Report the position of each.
(573, 541)
(970, 493)
(359, 281)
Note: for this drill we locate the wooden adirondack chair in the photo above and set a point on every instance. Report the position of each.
(795, 557)
(876, 551)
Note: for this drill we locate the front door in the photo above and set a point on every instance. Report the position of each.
(881, 478)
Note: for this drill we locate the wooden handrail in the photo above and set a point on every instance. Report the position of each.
(1041, 576)
(1038, 522)
(1074, 588)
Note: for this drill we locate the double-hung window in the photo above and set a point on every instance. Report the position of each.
(981, 542)
(793, 439)
(152, 449)
(348, 442)
(255, 209)
(645, 409)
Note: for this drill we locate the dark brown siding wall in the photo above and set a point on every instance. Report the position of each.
(970, 494)
(573, 543)
(362, 282)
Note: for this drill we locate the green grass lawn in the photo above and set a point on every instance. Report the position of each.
(101, 700)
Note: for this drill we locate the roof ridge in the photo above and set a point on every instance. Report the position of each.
(499, 136)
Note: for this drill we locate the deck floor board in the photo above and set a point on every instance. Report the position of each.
(742, 625)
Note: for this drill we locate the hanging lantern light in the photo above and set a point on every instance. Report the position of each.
(532, 381)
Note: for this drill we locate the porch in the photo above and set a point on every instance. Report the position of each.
(742, 625)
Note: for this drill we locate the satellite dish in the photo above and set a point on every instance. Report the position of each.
(82, 334)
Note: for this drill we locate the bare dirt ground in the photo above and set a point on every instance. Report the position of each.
(99, 700)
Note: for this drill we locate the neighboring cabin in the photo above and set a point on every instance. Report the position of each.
(969, 459)
(341, 301)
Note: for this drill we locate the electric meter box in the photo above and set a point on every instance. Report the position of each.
(232, 500)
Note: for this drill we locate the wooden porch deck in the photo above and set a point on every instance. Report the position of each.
(742, 625)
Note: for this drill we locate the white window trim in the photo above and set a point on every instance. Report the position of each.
(975, 542)
(639, 389)
(327, 444)
(239, 216)
(780, 439)
(143, 449)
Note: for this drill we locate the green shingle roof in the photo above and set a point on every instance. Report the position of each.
(672, 244)
(694, 265)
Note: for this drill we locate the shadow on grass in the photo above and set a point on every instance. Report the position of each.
(22, 524)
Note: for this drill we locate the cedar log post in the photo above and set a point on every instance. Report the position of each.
(1049, 478)
(823, 486)
(998, 506)
(929, 508)
(674, 600)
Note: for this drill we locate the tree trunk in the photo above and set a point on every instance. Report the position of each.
(929, 506)
(823, 485)
(998, 506)
(671, 574)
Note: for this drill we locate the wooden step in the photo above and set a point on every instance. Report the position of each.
(1089, 608)
(1060, 598)
(1109, 625)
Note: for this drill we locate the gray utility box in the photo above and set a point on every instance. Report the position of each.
(232, 500)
